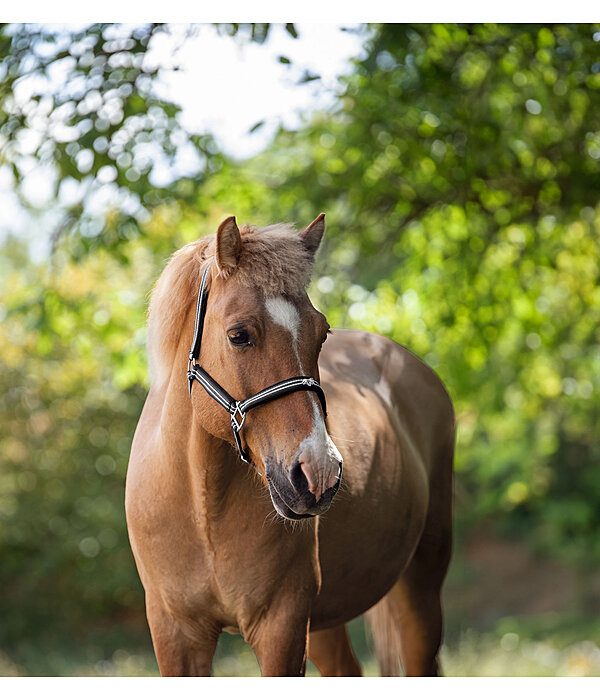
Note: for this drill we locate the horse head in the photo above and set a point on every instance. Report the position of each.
(260, 328)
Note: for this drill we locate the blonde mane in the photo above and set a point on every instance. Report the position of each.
(273, 258)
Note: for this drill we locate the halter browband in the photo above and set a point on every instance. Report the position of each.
(238, 409)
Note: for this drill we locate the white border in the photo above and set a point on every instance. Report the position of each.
(537, 11)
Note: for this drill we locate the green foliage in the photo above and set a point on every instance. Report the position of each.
(71, 375)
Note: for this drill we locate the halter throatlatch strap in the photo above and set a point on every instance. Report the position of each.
(198, 325)
(238, 409)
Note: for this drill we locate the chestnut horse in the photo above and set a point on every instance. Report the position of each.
(267, 549)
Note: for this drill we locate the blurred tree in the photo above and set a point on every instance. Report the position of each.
(80, 109)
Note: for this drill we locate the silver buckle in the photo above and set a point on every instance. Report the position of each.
(237, 424)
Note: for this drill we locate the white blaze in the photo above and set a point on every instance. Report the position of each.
(285, 314)
(318, 443)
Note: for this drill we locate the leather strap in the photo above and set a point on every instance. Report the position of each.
(200, 314)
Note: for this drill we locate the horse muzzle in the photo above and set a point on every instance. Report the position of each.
(295, 493)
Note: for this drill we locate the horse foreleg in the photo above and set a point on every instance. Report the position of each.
(279, 640)
(182, 648)
(331, 653)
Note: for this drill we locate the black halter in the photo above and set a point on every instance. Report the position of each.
(238, 409)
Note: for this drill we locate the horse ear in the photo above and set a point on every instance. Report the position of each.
(228, 245)
(313, 233)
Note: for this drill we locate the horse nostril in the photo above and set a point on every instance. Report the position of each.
(312, 479)
(298, 478)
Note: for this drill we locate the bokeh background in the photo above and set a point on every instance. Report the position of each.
(459, 167)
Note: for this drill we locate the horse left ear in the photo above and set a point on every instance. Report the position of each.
(228, 245)
(313, 233)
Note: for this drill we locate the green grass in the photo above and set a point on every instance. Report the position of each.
(545, 646)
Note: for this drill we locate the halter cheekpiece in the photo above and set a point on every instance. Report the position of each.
(238, 409)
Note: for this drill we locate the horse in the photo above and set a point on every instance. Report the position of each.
(312, 512)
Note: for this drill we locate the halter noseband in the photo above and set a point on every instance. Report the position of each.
(238, 409)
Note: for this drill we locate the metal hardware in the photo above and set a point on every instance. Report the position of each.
(235, 423)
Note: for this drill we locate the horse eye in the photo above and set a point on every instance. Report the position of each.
(239, 338)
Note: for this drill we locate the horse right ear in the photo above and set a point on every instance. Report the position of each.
(313, 233)
(228, 246)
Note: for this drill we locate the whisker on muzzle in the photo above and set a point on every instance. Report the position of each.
(341, 439)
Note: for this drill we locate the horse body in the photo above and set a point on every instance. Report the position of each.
(390, 476)
(213, 556)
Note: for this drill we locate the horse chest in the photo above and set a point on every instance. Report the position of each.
(232, 573)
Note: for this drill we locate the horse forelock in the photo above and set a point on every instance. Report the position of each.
(272, 259)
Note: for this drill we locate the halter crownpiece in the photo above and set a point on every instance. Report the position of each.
(238, 409)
